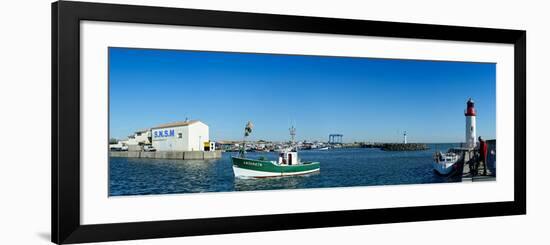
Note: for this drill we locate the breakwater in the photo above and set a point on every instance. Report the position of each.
(404, 147)
(180, 155)
(397, 146)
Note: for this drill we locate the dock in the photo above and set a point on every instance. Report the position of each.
(178, 155)
(468, 161)
(468, 176)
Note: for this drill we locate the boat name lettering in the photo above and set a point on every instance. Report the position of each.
(257, 164)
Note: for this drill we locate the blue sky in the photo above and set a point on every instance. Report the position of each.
(362, 98)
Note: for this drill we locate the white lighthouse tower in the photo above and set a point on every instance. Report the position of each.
(470, 113)
(405, 137)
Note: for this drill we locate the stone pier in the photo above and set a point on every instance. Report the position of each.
(180, 155)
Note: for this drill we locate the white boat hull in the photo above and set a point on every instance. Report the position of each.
(445, 168)
(247, 173)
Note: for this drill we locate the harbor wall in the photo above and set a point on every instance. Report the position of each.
(180, 155)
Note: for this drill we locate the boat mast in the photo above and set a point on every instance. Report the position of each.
(292, 136)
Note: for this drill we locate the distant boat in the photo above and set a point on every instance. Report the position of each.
(445, 163)
(323, 149)
(288, 163)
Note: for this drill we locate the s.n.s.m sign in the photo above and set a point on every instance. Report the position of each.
(164, 133)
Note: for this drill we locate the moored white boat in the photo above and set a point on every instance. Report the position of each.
(446, 163)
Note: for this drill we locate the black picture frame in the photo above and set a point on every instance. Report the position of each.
(65, 166)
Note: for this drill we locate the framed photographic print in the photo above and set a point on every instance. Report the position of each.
(176, 122)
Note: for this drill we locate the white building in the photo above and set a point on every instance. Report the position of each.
(141, 137)
(181, 136)
(134, 142)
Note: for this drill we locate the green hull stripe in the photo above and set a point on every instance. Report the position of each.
(267, 166)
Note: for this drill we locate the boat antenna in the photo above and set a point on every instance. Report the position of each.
(247, 132)
(292, 130)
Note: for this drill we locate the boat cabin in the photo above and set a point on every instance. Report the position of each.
(445, 157)
(288, 158)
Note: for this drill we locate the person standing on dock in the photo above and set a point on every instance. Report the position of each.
(482, 155)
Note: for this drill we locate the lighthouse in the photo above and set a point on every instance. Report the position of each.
(470, 114)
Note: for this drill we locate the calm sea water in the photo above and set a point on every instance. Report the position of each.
(339, 168)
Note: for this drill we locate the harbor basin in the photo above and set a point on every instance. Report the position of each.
(344, 167)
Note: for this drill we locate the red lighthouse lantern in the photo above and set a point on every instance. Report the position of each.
(470, 110)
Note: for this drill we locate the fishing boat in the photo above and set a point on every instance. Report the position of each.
(288, 163)
(446, 163)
